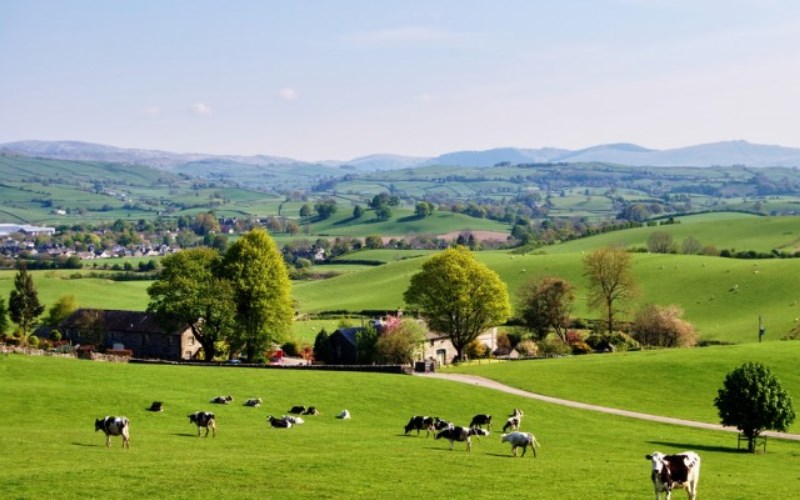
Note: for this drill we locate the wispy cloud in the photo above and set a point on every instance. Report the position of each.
(152, 110)
(201, 108)
(405, 36)
(287, 94)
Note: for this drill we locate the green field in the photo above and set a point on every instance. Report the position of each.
(648, 381)
(50, 448)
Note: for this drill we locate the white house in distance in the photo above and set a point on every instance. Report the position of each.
(439, 348)
(6, 229)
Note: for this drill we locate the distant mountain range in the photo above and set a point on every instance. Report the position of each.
(702, 155)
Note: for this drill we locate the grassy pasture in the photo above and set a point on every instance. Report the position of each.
(741, 232)
(648, 381)
(54, 452)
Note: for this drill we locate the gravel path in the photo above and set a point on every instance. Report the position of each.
(491, 384)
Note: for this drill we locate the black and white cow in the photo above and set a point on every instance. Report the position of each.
(292, 419)
(344, 415)
(480, 420)
(670, 472)
(298, 410)
(514, 420)
(421, 423)
(459, 433)
(441, 424)
(280, 423)
(114, 426)
(253, 402)
(204, 419)
(222, 400)
(311, 410)
(523, 439)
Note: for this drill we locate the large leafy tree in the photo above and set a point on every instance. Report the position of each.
(546, 303)
(23, 303)
(190, 293)
(458, 296)
(261, 290)
(611, 283)
(61, 309)
(753, 401)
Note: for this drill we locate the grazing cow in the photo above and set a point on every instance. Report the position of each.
(523, 439)
(222, 400)
(459, 433)
(420, 422)
(312, 410)
(156, 406)
(440, 424)
(514, 420)
(293, 420)
(481, 420)
(114, 426)
(670, 472)
(253, 402)
(204, 419)
(299, 410)
(281, 423)
(344, 415)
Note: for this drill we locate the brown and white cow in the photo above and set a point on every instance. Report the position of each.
(669, 472)
(114, 426)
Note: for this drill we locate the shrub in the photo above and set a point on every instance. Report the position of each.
(616, 341)
(291, 349)
(477, 350)
(55, 335)
(551, 347)
(33, 341)
(527, 348)
(663, 327)
(581, 347)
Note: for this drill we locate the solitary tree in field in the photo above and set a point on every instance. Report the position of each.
(611, 282)
(261, 290)
(458, 296)
(23, 302)
(753, 401)
(190, 293)
(546, 303)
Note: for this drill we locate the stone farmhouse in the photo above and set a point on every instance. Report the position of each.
(136, 331)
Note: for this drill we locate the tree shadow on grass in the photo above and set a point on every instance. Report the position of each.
(695, 447)
(75, 443)
(185, 434)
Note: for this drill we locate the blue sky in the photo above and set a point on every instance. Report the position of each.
(340, 79)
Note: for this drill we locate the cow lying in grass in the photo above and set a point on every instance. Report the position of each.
(281, 423)
(670, 472)
(114, 426)
(523, 439)
(292, 419)
(204, 419)
(255, 403)
(156, 406)
(222, 400)
(459, 433)
(344, 415)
